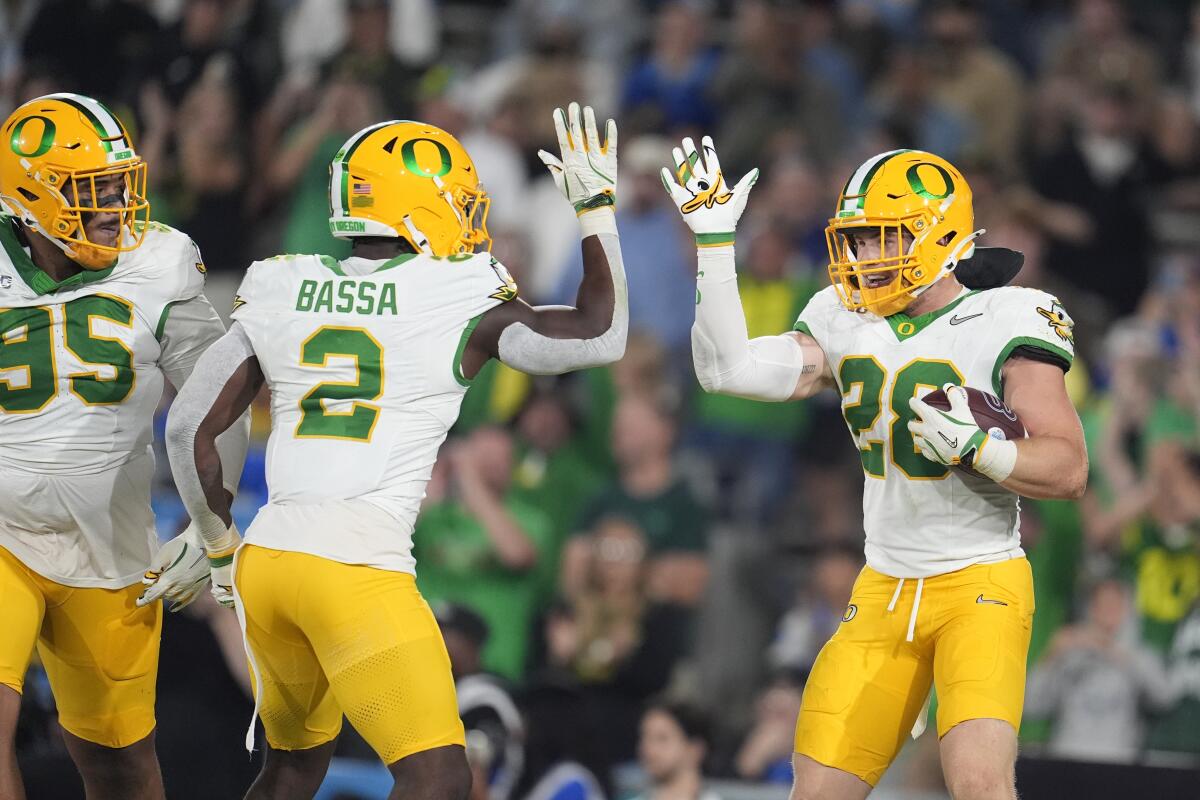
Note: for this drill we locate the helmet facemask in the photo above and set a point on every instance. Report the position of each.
(471, 206)
(915, 251)
(919, 205)
(81, 196)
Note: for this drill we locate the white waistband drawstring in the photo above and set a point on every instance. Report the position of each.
(254, 672)
(896, 595)
(919, 725)
(912, 618)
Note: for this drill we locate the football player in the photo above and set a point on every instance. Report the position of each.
(97, 305)
(946, 597)
(367, 360)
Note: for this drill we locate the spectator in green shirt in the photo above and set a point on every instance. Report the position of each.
(479, 546)
(650, 494)
(553, 471)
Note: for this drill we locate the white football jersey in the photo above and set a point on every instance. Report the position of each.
(81, 372)
(363, 359)
(922, 518)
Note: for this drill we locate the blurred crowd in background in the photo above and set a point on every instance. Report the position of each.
(635, 576)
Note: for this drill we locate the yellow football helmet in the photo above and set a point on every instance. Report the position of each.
(902, 192)
(52, 151)
(412, 181)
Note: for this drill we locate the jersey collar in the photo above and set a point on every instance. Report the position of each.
(906, 327)
(335, 266)
(39, 282)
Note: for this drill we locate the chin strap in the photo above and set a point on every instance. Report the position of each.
(418, 238)
(964, 250)
(85, 255)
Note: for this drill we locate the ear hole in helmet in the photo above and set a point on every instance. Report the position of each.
(28, 195)
(947, 239)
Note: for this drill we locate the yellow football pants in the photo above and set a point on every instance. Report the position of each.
(328, 638)
(99, 649)
(970, 639)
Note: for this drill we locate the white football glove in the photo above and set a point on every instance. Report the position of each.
(220, 562)
(702, 195)
(178, 571)
(951, 437)
(587, 172)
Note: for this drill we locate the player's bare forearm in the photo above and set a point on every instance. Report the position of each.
(594, 302)
(816, 374)
(1052, 464)
(556, 339)
(1049, 468)
(232, 401)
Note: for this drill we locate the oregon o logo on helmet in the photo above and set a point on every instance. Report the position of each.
(408, 151)
(48, 131)
(918, 185)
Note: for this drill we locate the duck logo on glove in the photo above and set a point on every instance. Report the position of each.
(705, 194)
(698, 189)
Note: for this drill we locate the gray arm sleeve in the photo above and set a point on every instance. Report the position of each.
(189, 329)
(524, 349)
(191, 406)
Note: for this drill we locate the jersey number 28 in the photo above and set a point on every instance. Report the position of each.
(861, 415)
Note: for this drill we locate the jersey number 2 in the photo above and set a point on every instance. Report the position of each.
(29, 377)
(862, 414)
(356, 424)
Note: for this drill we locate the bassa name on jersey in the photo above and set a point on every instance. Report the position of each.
(347, 296)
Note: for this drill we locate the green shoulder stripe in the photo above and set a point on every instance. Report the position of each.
(463, 380)
(162, 318)
(1024, 341)
(802, 326)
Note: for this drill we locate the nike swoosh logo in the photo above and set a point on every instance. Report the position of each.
(957, 320)
(982, 599)
(950, 442)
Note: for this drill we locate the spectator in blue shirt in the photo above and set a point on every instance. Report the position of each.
(668, 89)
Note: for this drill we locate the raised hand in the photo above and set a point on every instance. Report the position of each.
(586, 173)
(698, 188)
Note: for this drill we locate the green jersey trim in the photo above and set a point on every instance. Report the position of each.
(462, 379)
(332, 265)
(1024, 341)
(32, 275)
(403, 258)
(906, 327)
(802, 326)
(162, 319)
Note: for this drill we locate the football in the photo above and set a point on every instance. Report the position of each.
(991, 414)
